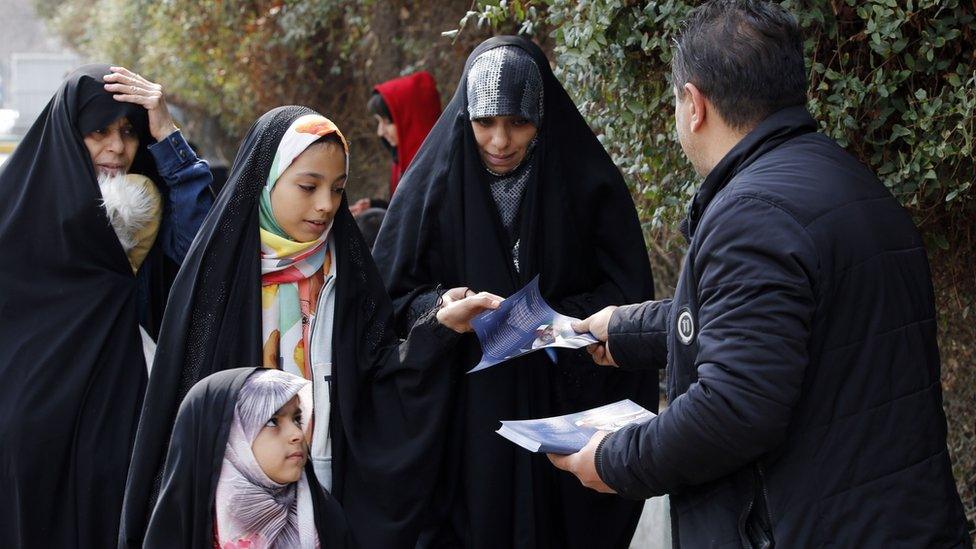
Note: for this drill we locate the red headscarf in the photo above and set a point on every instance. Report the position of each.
(414, 106)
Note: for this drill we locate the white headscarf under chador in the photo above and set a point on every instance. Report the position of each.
(252, 510)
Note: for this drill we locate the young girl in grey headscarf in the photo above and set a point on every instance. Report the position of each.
(236, 474)
(263, 497)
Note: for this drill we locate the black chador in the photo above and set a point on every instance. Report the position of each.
(71, 356)
(387, 399)
(565, 214)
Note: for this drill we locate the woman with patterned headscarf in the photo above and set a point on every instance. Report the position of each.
(511, 183)
(281, 277)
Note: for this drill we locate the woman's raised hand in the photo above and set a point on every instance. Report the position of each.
(132, 88)
(460, 305)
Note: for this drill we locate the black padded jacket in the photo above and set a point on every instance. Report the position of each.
(802, 363)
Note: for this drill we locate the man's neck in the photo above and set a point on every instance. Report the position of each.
(719, 146)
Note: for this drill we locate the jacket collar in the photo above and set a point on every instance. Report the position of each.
(776, 129)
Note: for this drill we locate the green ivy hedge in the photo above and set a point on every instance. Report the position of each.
(893, 81)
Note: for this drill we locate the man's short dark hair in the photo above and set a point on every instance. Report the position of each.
(745, 56)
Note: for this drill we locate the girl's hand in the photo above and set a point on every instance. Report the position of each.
(132, 88)
(460, 305)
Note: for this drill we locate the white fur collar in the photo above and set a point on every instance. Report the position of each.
(129, 205)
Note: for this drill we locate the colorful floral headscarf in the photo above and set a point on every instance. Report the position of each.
(287, 266)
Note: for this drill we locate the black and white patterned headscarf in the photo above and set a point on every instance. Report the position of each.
(505, 81)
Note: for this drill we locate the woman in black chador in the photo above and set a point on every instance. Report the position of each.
(98, 206)
(511, 183)
(280, 276)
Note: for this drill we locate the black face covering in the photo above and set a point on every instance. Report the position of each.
(71, 353)
(577, 228)
(184, 515)
(383, 423)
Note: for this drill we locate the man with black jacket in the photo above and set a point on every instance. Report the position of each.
(800, 346)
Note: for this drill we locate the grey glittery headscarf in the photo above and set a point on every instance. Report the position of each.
(505, 81)
(249, 506)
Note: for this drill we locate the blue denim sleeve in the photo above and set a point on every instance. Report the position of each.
(189, 198)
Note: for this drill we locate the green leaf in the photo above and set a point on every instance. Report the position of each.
(898, 131)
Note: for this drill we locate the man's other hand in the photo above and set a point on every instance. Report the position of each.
(583, 464)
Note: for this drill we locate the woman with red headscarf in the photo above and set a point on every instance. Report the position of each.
(405, 109)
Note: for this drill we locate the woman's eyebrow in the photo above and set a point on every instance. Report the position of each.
(341, 178)
(313, 175)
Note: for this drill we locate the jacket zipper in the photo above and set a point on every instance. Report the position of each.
(762, 483)
(320, 302)
(745, 518)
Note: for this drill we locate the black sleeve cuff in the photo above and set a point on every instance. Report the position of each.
(611, 464)
(598, 459)
(428, 323)
(422, 305)
(637, 336)
(427, 342)
(624, 338)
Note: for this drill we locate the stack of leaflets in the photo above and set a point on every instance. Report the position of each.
(569, 434)
(524, 323)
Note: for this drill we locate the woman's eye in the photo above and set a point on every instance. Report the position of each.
(128, 132)
(483, 122)
(273, 422)
(520, 122)
(307, 188)
(339, 191)
(299, 420)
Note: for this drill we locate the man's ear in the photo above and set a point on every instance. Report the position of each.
(699, 107)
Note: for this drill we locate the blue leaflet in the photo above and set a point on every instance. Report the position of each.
(523, 323)
(568, 434)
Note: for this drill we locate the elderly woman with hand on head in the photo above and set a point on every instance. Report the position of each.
(99, 205)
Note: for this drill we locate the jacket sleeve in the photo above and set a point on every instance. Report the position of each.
(188, 179)
(639, 335)
(756, 302)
